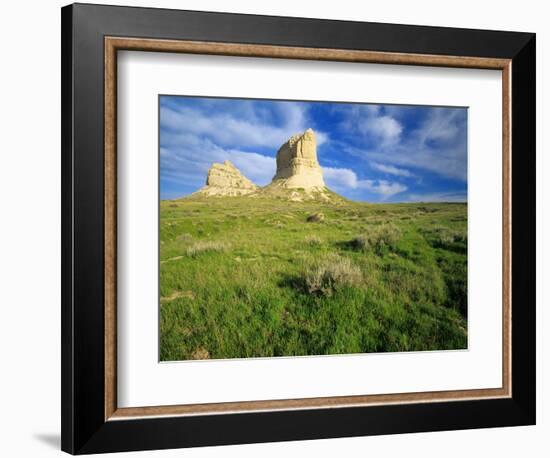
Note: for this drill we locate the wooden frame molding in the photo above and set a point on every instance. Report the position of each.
(112, 45)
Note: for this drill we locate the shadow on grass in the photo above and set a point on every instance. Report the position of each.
(293, 282)
(347, 245)
(456, 247)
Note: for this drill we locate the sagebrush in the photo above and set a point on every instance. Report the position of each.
(331, 274)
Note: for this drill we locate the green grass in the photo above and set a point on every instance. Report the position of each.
(252, 277)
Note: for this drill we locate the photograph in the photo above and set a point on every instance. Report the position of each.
(303, 228)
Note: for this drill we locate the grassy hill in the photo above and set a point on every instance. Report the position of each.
(262, 276)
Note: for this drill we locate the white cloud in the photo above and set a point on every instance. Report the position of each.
(339, 178)
(453, 196)
(390, 169)
(370, 122)
(224, 129)
(321, 137)
(440, 125)
(292, 113)
(257, 167)
(385, 128)
(243, 127)
(382, 187)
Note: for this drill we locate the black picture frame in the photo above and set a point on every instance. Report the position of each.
(84, 428)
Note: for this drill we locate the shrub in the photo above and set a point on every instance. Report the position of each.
(315, 218)
(200, 353)
(377, 238)
(446, 238)
(313, 240)
(360, 242)
(205, 246)
(450, 237)
(330, 275)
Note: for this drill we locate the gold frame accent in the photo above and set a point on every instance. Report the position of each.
(112, 45)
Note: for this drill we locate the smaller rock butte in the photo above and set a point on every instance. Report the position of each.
(226, 180)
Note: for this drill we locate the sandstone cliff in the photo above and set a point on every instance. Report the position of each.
(226, 180)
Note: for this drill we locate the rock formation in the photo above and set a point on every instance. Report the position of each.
(297, 165)
(299, 176)
(226, 180)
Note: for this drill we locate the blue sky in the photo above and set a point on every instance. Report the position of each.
(368, 152)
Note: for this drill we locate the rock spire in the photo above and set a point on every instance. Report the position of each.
(297, 164)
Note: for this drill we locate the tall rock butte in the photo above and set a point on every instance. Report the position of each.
(226, 180)
(297, 164)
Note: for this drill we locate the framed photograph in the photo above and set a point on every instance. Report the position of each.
(284, 228)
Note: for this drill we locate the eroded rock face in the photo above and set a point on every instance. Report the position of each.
(297, 165)
(226, 180)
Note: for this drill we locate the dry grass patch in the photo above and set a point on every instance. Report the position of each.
(378, 237)
(175, 258)
(449, 236)
(176, 295)
(185, 237)
(313, 240)
(331, 274)
(206, 246)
